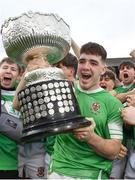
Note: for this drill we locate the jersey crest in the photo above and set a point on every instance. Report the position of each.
(95, 107)
(40, 172)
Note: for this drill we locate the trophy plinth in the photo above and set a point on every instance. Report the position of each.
(49, 106)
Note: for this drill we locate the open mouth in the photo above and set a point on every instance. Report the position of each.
(86, 76)
(7, 80)
(103, 86)
(125, 75)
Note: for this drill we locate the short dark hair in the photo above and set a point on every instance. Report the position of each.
(126, 64)
(95, 49)
(69, 61)
(10, 61)
(109, 74)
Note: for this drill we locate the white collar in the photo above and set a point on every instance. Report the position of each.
(7, 93)
(89, 91)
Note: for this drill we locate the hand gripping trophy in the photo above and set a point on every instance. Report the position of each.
(48, 104)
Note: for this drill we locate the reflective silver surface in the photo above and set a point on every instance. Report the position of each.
(38, 31)
(44, 74)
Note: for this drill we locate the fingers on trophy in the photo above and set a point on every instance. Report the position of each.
(48, 104)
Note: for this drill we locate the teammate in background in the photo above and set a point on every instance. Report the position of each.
(128, 114)
(9, 73)
(108, 80)
(126, 75)
(69, 66)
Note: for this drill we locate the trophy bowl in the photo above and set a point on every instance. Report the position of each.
(48, 34)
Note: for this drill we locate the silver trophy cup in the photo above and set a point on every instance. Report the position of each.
(48, 104)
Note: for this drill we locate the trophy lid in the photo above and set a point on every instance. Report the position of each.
(34, 30)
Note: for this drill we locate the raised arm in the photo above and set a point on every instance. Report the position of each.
(132, 53)
(75, 48)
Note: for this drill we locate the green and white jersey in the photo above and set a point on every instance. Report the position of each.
(8, 148)
(75, 158)
(131, 131)
(124, 89)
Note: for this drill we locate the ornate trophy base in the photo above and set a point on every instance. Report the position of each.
(49, 107)
(45, 130)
